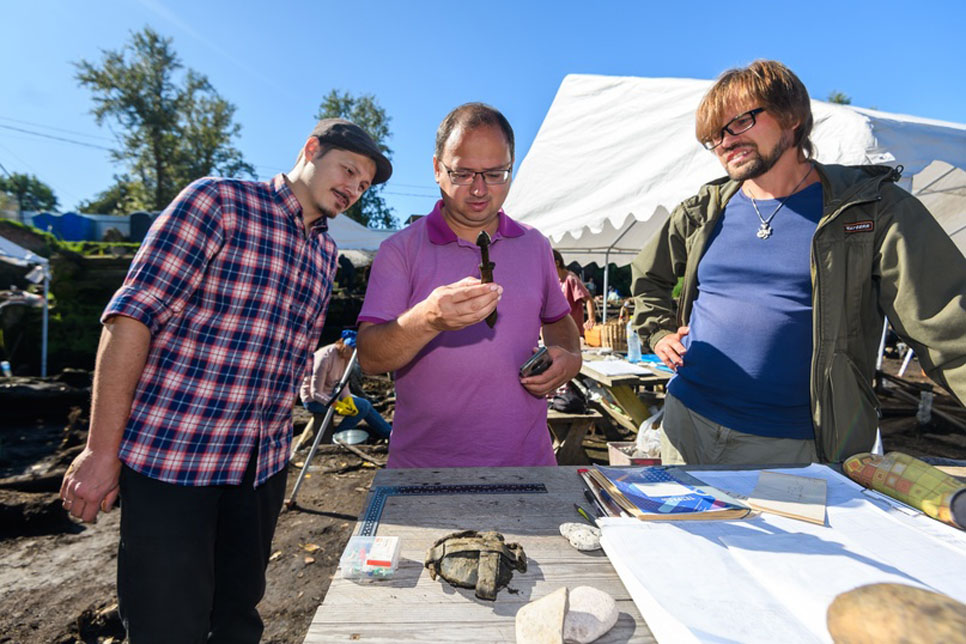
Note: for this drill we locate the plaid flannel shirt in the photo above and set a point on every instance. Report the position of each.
(234, 293)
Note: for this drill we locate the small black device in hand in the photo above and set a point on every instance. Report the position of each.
(536, 364)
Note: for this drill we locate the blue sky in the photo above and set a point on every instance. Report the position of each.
(275, 61)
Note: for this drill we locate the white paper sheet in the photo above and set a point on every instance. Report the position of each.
(616, 368)
(771, 578)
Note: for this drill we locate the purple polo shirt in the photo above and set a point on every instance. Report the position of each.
(459, 403)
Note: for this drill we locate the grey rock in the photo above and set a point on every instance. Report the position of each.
(581, 536)
(542, 620)
(591, 614)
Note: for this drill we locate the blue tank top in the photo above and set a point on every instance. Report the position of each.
(750, 345)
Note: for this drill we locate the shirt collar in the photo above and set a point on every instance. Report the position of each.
(440, 233)
(291, 206)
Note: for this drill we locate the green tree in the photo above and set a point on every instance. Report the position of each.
(841, 98)
(29, 192)
(173, 128)
(124, 197)
(371, 210)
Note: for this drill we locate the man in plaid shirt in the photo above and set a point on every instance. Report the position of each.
(202, 352)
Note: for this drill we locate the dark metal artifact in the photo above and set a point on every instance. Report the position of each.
(486, 268)
(479, 560)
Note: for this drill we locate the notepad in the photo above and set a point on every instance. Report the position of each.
(796, 497)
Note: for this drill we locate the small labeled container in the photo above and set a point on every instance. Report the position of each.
(5, 367)
(370, 558)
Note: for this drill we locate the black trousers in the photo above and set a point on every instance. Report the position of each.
(191, 561)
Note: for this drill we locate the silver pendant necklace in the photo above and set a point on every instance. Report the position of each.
(765, 230)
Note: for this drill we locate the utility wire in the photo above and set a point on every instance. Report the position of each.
(56, 138)
(410, 185)
(406, 194)
(56, 129)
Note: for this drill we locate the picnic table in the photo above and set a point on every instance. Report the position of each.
(591, 368)
(412, 607)
(625, 388)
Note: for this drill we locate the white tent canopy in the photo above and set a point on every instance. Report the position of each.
(615, 155)
(12, 253)
(942, 188)
(351, 235)
(15, 254)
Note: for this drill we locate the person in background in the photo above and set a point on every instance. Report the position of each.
(329, 364)
(578, 297)
(346, 275)
(789, 266)
(203, 347)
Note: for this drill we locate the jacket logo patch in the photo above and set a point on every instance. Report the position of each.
(859, 227)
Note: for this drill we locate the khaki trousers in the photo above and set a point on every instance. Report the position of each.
(690, 438)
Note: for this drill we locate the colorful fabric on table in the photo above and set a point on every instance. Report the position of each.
(911, 481)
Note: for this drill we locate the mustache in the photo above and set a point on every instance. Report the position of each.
(742, 144)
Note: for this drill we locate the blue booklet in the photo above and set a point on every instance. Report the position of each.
(657, 493)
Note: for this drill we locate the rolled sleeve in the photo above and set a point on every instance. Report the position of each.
(171, 262)
(139, 305)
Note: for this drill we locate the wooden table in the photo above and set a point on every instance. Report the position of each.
(568, 431)
(412, 608)
(631, 411)
(632, 380)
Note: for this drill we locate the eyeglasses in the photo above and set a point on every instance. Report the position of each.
(466, 177)
(737, 125)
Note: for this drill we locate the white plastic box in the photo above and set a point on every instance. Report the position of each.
(370, 558)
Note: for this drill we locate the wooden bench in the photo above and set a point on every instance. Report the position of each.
(568, 431)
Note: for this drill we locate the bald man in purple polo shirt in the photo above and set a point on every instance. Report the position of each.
(460, 399)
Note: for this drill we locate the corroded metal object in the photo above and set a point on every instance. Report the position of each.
(486, 268)
(479, 560)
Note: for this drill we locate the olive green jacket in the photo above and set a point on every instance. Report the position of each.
(876, 251)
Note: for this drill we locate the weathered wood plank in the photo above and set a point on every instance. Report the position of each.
(413, 608)
(437, 623)
(412, 585)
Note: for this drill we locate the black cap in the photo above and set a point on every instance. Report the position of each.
(340, 133)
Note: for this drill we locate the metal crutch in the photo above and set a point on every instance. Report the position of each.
(329, 412)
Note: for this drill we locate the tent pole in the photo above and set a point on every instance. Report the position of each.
(906, 361)
(607, 263)
(43, 342)
(606, 271)
(882, 342)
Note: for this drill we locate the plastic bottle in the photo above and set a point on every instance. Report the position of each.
(633, 344)
(5, 367)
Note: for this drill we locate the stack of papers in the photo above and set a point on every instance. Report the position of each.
(616, 368)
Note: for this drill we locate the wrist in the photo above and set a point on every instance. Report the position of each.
(656, 337)
(420, 321)
(102, 446)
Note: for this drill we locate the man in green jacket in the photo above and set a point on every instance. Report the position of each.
(789, 267)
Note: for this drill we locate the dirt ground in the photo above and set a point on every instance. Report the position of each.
(57, 576)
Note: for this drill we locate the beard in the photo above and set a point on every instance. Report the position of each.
(327, 213)
(758, 164)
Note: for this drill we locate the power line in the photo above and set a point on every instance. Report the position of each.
(410, 185)
(32, 169)
(56, 138)
(56, 129)
(406, 194)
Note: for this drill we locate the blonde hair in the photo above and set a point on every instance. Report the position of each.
(764, 83)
